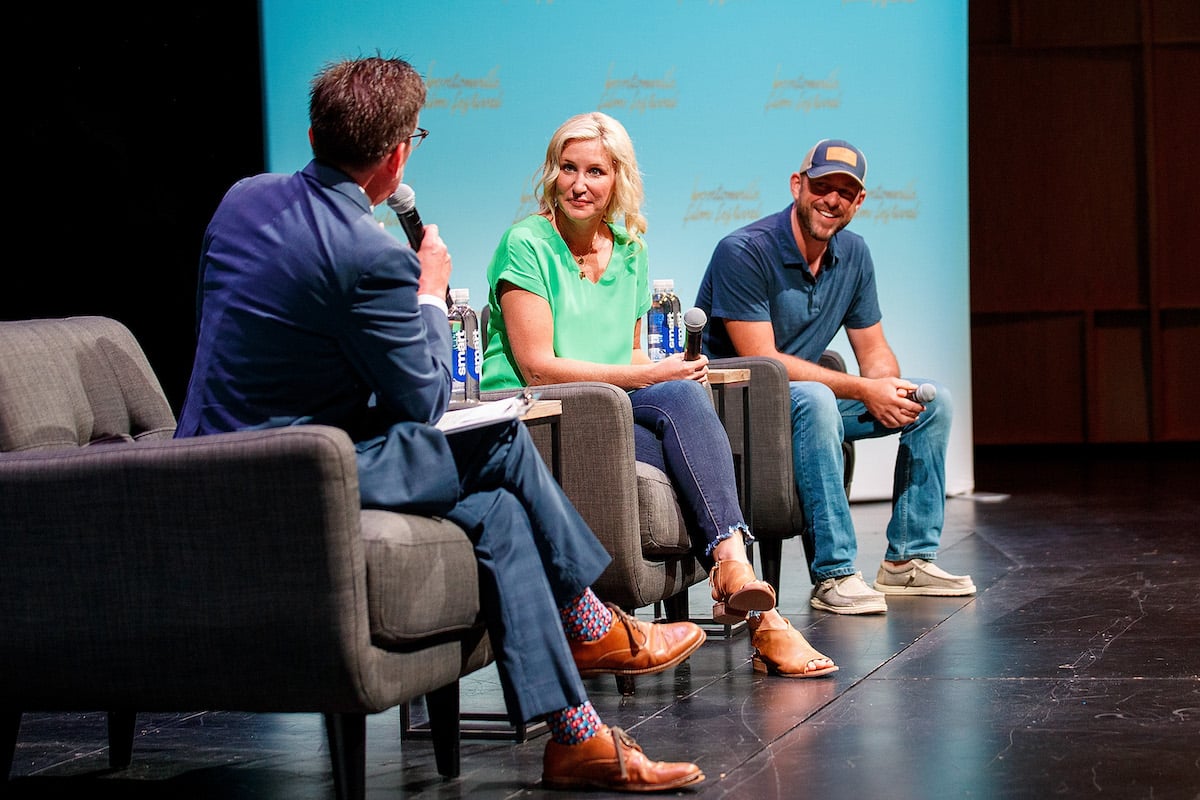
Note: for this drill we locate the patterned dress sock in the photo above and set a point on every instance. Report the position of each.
(586, 619)
(574, 725)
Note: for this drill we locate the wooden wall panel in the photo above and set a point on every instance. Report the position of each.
(1076, 23)
(1176, 175)
(1027, 379)
(1181, 370)
(1119, 397)
(1054, 183)
(1172, 21)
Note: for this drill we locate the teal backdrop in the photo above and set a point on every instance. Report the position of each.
(721, 97)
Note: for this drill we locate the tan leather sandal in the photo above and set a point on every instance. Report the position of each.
(737, 592)
(785, 652)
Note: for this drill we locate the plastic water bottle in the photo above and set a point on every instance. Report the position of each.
(656, 323)
(467, 353)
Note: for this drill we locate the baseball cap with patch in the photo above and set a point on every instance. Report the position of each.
(830, 156)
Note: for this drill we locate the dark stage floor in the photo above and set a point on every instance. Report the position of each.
(1075, 672)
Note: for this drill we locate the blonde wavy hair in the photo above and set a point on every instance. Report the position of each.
(628, 193)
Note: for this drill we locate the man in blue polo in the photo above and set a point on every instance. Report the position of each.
(784, 286)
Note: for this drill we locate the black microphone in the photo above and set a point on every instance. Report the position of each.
(694, 319)
(923, 393)
(404, 202)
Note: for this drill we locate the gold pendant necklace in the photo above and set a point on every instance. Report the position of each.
(579, 259)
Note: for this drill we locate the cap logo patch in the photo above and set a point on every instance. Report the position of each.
(843, 154)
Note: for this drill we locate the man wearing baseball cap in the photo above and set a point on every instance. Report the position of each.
(784, 286)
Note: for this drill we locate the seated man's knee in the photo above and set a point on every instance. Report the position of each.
(814, 403)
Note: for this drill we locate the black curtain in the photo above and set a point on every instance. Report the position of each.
(129, 128)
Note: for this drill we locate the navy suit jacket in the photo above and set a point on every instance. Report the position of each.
(307, 313)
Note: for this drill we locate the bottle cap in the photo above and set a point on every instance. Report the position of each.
(460, 296)
(663, 284)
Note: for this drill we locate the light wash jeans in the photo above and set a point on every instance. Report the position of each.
(678, 430)
(820, 422)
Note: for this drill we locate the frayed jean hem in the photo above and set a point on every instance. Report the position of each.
(747, 537)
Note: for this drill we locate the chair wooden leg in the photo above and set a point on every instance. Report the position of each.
(121, 727)
(771, 555)
(347, 735)
(445, 729)
(8, 740)
(676, 607)
(848, 471)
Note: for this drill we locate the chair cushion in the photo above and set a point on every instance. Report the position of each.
(416, 570)
(664, 532)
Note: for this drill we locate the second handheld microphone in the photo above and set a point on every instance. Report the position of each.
(694, 319)
(923, 393)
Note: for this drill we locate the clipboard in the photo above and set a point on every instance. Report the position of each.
(488, 412)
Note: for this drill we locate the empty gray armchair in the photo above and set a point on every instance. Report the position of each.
(229, 572)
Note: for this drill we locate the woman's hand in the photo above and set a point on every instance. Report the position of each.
(674, 368)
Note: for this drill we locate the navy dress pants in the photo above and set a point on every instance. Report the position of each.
(535, 555)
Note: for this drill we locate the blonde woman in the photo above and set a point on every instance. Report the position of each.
(569, 290)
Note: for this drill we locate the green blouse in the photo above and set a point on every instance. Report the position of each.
(592, 321)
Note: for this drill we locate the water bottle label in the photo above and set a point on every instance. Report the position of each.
(474, 355)
(472, 363)
(656, 345)
(459, 367)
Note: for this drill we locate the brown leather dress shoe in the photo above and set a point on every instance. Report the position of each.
(737, 592)
(612, 760)
(633, 647)
(787, 653)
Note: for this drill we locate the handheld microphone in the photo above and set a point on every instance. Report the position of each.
(404, 202)
(694, 319)
(923, 393)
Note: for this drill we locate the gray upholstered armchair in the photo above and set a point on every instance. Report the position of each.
(631, 507)
(776, 510)
(234, 572)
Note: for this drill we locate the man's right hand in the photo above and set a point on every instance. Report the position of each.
(887, 400)
(435, 264)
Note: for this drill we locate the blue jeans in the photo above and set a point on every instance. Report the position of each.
(820, 422)
(678, 431)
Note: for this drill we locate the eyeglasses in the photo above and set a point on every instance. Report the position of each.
(418, 137)
(821, 188)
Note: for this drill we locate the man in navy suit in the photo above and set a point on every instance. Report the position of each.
(310, 312)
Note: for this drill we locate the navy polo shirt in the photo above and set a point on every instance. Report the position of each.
(757, 273)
